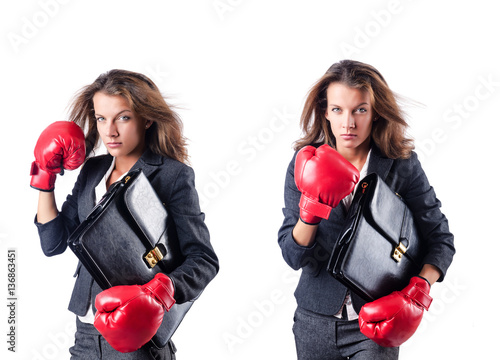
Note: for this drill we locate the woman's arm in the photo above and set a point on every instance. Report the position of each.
(54, 227)
(432, 223)
(295, 238)
(201, 263)
(304, 234)
(430, 273)
(47, 208)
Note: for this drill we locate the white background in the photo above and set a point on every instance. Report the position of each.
(239, 71)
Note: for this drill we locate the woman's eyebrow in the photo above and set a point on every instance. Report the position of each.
(363, 103)
(97, 114)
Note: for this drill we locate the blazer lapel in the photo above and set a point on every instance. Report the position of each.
(148, 162)
(379, 164)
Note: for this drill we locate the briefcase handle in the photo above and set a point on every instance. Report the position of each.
(111, 193)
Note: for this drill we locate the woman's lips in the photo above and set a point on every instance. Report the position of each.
(348, 136)
(114, 144)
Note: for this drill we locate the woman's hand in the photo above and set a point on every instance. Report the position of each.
(324, 178)
(60, 146)
(129, 316)
(393, 319)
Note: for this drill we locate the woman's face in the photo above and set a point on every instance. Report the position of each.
(350, 114)
(121, 130)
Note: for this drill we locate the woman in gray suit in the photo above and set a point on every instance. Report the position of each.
(127, 113)
(353, 126)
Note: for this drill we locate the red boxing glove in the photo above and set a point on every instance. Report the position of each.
(129, 316)
(324, 177)
(393, 319)
(60, 146)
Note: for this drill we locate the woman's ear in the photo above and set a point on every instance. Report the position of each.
(326, 115)
(148, 124)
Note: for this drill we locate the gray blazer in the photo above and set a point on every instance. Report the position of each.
(174, 184)
(317, 290)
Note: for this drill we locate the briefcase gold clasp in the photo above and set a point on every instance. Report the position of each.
(153, 257)
(398, 252)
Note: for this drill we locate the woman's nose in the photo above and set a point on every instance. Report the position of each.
(111, 130)
(348, 122)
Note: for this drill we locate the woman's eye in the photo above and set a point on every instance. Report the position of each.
(99, 119)
(336, 109)
(361, 110)
(124, 118)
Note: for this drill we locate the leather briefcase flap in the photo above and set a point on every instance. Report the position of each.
(379, 248)
(153, 221)
(396, 223)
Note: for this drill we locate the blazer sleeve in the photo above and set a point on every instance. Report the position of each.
(295, 255)
(54, 234)
(201, 263)
(432, 223)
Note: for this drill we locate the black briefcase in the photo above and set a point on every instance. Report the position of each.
(127, 239)
(379, 248)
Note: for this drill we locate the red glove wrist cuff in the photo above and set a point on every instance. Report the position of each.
(314, 208)
(40, 179)
(419, 292)
(163, 290)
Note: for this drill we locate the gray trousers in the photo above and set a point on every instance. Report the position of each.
(321, 337)
(90, 345)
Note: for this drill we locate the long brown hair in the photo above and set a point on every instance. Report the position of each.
(163, 137)
(388, 132)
